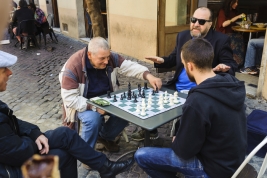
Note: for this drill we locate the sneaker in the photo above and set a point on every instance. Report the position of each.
(140, 135)
(249, 70)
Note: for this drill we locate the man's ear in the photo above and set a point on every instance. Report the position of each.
(190, 66)
(89, 54)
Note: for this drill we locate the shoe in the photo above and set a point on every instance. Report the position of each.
(140, 135)
(249, 70)
(25, 42)
(110, 169)
(110, 146)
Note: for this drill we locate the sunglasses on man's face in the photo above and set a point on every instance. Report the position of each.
(200, 21)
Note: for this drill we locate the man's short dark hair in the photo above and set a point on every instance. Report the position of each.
(198, 51)
(23, 3)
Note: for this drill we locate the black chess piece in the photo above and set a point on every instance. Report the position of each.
(145, 86)
(129, 86)
(129, 97)
(108, 94)
(121, 96)
(135, 99)
(153, 92)
(124, 95)
(143, 94)
(139, 94)
(115, 99)
(133, 94)
(139, 86)
(157, 90)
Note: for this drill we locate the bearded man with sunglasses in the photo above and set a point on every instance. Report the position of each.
(200, 27)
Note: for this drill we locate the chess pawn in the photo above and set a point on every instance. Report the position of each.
(160, 102)
(161, 106)
(143, 112)
(171, 102)
(137, 109)
(148, 106)
(175, 94)
(143, 102)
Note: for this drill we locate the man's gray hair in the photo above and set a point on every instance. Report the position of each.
(97, 43)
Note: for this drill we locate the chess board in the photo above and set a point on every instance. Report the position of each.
(130, 106)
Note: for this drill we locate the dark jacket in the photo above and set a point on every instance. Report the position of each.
(213, 126)
(17, 141)
(222, 53)
(23, 13)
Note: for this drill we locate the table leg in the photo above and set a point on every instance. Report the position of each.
(147, 139)
(250, 35)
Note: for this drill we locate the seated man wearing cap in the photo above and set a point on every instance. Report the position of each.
(19, 140)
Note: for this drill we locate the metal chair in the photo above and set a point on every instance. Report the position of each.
(27, 27)
(46, 28)
(251, 172)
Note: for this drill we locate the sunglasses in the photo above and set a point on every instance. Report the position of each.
(200, 21)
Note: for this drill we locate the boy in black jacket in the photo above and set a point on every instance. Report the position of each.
(19, 140)
(211, 138)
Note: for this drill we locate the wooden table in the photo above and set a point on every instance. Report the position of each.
(251, 30)
(149, 123)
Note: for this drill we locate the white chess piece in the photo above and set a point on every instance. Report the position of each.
(165, 100)
(161, 106)
(148, 105)
(160, 101)
(143, 113)
(137, 109)
(175, 94)
(166, 93)
(171, 102)
(143, 102)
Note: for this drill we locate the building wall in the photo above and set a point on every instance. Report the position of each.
(71, 18)
(133, 27)
(43, 6)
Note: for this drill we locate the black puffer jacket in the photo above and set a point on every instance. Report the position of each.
(17, 142)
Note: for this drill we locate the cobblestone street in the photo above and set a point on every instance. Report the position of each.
(33, 93)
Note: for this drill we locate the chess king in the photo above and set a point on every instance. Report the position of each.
(91, 72)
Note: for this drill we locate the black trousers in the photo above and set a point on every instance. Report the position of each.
(69, 147)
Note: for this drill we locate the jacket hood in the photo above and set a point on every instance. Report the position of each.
(224, 88)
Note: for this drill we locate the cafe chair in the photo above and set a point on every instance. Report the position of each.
(238, 47)
(27, 26)
(247, 171)
(46, 28)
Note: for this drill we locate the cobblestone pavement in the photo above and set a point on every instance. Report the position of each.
(33, 93)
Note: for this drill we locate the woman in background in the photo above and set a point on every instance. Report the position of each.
(227, 15)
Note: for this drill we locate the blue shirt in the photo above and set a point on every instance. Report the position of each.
(183, 82)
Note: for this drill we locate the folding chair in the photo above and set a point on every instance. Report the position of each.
(252, 173)
(28, 27)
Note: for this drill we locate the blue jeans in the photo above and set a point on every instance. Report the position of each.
(163, 162)
(93, 125)
(254, 52)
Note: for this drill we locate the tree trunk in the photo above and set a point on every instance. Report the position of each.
(93, 8)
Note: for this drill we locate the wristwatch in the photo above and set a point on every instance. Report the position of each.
(93, 108)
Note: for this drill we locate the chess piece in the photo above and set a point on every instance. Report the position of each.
(108, 94)
(165, 100)
(175, 94)
(121, 96)
(114, 99)
(129, 97)
(143, 113)
(171, 102)
(135, 99)
(129, 86)
(139, 94)
(137, 109)
(124, 95)
(143, 94)
(143, 103)
(145, 86)
(133, 94)
(139, 86)
(157, 90)
(148, 105)
(161, 106)
(153, 92)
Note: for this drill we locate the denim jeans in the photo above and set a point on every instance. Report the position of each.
(163, 162)
(254, 52)
(93, 125)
